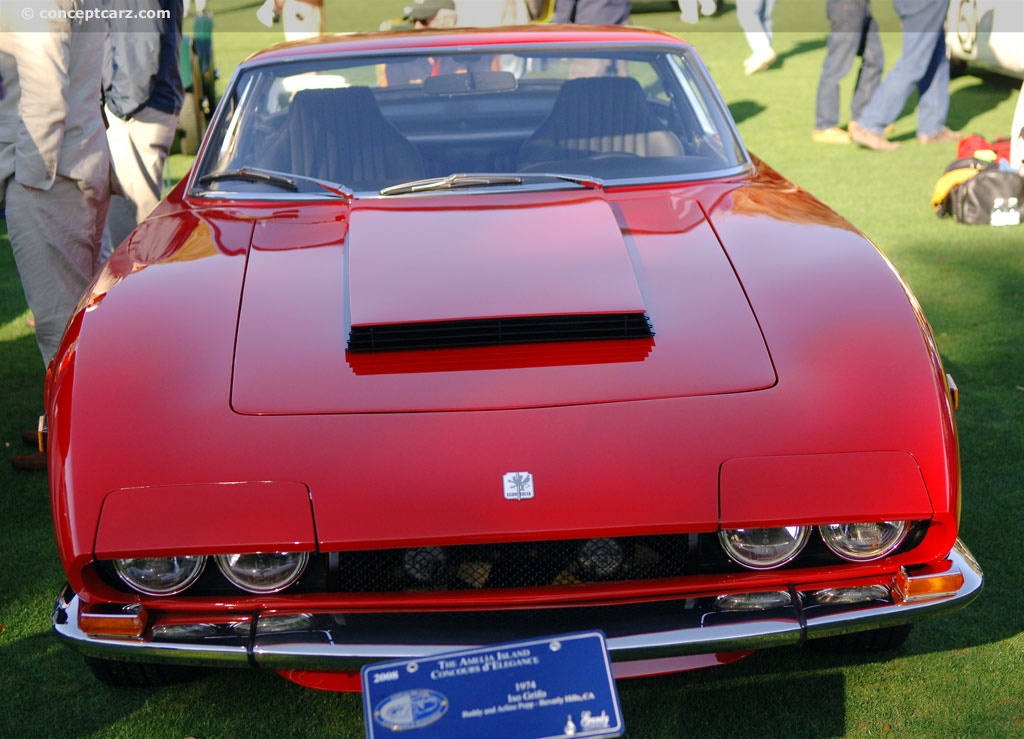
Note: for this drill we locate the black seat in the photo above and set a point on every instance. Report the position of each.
(592, 116)
(341, 135)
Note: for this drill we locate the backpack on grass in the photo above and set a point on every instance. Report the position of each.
(977, 191)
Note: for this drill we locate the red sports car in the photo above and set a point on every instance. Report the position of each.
(465, 337)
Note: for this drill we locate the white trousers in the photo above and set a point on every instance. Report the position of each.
(755, 18)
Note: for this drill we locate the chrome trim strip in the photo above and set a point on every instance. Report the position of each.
(695, 630)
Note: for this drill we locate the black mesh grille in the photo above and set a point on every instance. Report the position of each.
(511, 565)
(498, 331)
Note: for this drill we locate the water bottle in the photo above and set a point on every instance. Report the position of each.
(1005, 212)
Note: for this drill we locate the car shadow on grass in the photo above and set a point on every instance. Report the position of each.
(967, 101)
(743, 110)
(724, 703)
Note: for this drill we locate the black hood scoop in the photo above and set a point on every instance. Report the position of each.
(498, 332)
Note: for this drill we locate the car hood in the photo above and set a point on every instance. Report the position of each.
(418, 268)
(858, 400)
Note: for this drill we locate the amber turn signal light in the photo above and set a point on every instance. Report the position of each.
(127, 622)
(909, 588)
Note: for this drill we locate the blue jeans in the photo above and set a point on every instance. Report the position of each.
(853, 32)
(922, 65)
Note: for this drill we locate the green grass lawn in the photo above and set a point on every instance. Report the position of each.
(958, 676)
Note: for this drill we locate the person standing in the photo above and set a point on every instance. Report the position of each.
(143, 94)
(58, 190)
(593, 12)
(923, 65)
(755, 17)
(853, 32)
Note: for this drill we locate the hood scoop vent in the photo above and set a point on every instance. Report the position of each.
(454, 334)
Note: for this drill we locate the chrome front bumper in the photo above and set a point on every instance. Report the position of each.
(635, 633)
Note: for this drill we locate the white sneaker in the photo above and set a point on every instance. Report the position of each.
(708, 7)
(758, 62)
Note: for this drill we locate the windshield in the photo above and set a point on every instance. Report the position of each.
(366, 125)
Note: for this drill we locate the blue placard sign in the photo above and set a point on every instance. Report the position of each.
(560, 686)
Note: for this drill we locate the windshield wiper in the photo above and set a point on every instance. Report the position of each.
(451, 182)
(278, 179)
(591, 183)
(486, 179)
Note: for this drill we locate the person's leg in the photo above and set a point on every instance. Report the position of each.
(152, 136)
(922, 25)
(138, 148)
(933, 93)
(55, 237)
(748, 13)
(841, 47)
(767, 15)
(890, 97)
(871, 68)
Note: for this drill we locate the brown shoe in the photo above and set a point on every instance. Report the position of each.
(945, 136)
(870, 139)
(29, 462)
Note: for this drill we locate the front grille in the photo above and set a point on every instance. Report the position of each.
(517, 565)
(498, 331)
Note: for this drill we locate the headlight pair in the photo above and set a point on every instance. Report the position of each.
(764, 549)
(255, 573)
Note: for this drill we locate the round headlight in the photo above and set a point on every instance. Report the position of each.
(762, 549)
(863, 542)
(160, 575)
(263, 573)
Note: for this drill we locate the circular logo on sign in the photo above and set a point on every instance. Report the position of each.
(410, 709)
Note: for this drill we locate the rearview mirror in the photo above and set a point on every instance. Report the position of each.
(469, 83)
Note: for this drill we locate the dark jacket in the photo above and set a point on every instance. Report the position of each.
(141, 57)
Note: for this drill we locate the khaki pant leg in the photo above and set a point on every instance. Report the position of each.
(138, 149)
(55, 237)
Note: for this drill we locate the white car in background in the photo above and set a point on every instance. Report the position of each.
(987, 34)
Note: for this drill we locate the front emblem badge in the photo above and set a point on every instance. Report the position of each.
(518, 485)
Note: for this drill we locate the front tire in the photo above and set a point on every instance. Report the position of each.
(864, 642)
(139, 674)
